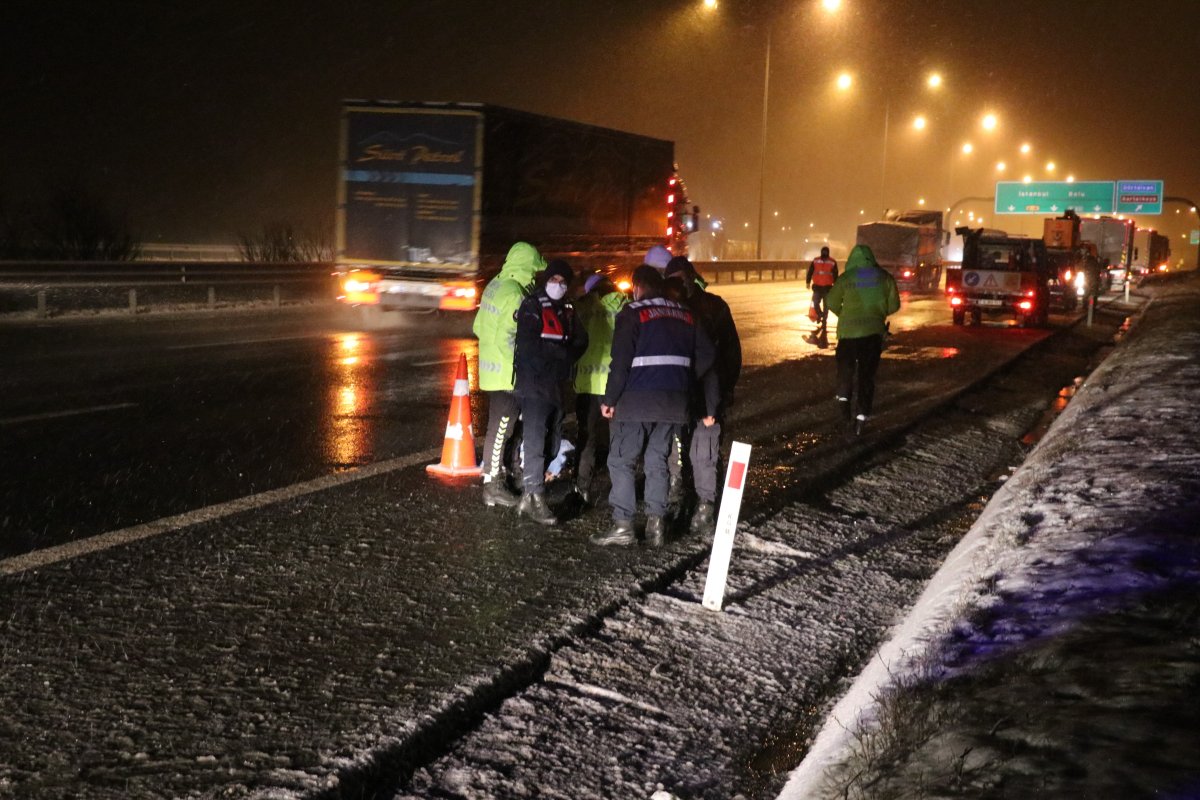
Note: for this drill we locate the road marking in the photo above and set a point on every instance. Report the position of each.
(235, 342)
(431, 363)
(72, 412)
(104, 541)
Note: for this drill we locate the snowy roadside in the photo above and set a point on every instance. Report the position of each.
(1057, 650)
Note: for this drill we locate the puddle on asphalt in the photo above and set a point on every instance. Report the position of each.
(1043, 424)
(903, 353)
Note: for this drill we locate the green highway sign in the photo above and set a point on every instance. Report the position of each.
(1139, 197)
(1055, 197)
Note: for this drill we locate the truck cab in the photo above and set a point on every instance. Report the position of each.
(1001, 275)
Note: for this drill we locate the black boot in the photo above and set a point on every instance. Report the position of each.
(860, 422)
(534, 506)
(495, 493)
(844, 409)
(583, 490)
(656, 531)
(703, 521)
(675, 491)
(621, 533)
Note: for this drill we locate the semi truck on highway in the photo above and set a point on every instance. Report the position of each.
(432, 195)
(908, 244)
(1151, 251)
(1001, 274)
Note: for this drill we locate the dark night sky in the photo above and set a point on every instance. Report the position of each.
(209, 118)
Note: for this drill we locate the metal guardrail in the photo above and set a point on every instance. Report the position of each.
(49, 288)
(728, 271)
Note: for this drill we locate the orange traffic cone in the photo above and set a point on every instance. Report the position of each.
(458, 451)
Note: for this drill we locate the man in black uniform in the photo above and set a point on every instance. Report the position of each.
(658, 352)
(549, 341)
(704, 449)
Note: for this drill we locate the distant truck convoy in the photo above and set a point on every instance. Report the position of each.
(908, 244)
(1001, 274)
(431, 196)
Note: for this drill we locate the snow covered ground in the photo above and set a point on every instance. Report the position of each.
(1056, 653)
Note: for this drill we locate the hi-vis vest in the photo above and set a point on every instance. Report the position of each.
(823, 271)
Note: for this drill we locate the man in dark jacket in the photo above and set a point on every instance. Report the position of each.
(703, 442)
(658, 352)
(549, 341)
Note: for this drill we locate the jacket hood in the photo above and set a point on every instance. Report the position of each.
(614, 300)
(861, 256)
(522, 263)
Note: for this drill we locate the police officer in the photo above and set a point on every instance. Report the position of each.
(549, 341)
(704, 448)
(496, 328)
(822, 272)
(658, 351)
(862, 298)
(597, 311)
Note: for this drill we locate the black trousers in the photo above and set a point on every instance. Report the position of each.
(503, 412)
(626, 444)
(541, 422)
(819, 293)
(593, 436)
(857, 363)
(703, 448)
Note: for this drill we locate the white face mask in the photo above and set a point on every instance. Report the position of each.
(556, 291)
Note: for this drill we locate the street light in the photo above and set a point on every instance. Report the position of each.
(919, 123)
(845, 81)
(989, 122)
(968, 148)
(934, 81)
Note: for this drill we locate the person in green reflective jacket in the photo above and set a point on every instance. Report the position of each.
(862, 298)
(496, 328)
(597, 310)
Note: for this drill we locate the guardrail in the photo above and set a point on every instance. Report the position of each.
(49, 288)
(728, 271)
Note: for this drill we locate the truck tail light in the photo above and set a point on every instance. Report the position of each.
(1025, 305)
(956, 301)
(358, 288)
(458, 296)
(906, 274)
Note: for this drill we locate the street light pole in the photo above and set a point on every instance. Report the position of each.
(887, 110)
(762, 156)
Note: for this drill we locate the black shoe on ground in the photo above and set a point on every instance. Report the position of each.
(860, 422)
(534, 506)
(703, 520)
(621, 533)
(656, 531)
(495, 493)
(844, 408)
(584, 493)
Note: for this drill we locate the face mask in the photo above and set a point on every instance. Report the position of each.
(556, 291)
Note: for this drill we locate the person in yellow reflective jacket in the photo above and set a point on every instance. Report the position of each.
(496, 328)
(597, 311)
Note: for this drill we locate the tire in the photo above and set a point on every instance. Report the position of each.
(960, 316)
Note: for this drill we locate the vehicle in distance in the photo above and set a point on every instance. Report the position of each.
(1001, 275)
(908, 244)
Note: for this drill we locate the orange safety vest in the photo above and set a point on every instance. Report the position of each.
(823, 271)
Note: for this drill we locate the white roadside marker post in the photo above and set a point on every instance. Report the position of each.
(727, 518)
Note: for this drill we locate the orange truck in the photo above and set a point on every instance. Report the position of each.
(1001, 275)
(432, 195)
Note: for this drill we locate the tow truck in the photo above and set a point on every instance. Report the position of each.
(1001, 275)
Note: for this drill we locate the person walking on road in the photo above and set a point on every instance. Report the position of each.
(549, 341)
(822, 272)
(597, 312)
(658, 351)
(862, 298)
(496, 328)
(704, 449)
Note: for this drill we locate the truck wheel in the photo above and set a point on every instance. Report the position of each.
(960, 316)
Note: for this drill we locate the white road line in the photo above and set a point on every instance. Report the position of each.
(71, 412)
(104, 541)
(236, 342)
(431, 363)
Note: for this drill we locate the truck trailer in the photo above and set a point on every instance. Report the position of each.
(908, 244)
(431, 196)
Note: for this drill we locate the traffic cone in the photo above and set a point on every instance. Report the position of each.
(458, 451)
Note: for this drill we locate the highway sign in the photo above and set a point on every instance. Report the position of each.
(1139, 197)
(1055, 197)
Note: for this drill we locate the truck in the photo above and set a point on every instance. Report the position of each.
(1151, 251)
(1113, 239)
(431, 196)
(1076, 264)
(1001, 274)
(908, 244)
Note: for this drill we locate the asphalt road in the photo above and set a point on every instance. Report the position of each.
(106, 423)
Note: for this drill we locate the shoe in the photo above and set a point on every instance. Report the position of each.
(656, 531)
(534, 506)
(495, 493)
(860, 422)
(703, 520)
(621, 533)
(844, 408)
(584, 493)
